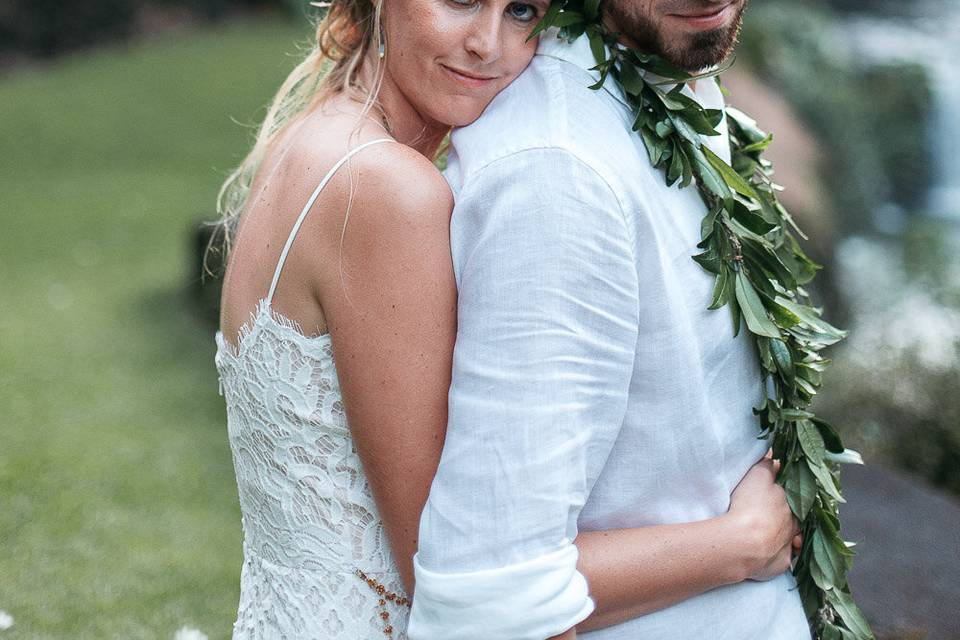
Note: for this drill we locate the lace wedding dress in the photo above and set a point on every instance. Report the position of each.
(316, 559)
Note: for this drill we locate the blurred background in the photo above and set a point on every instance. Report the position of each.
(119, 119)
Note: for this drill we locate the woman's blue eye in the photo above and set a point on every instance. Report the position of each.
(522, 12)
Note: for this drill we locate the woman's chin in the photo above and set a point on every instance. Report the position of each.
(463, 114)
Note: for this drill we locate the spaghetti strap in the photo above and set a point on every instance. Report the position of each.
(306, 209)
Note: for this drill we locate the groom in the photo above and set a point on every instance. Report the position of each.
(592, 389)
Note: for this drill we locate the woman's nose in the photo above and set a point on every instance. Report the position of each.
(484, 38)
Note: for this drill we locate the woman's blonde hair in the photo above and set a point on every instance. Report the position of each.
(346, 32)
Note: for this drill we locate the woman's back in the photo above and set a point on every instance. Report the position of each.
(294, 165)
(309, 517)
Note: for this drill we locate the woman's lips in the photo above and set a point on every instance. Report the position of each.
(472, 80)
(706, 19)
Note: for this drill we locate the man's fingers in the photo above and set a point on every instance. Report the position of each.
(769, 453)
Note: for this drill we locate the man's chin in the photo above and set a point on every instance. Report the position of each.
(707, 48)
(704, 50)
(698, 63)
(681, 47)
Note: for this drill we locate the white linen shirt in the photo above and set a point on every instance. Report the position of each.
(592, 389)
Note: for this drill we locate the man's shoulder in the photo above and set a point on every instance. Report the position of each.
(549, 106)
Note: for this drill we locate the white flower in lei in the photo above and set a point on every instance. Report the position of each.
(760, 272)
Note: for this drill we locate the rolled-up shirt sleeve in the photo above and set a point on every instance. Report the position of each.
(548, 303)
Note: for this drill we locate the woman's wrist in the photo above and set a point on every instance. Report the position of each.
(740, 544)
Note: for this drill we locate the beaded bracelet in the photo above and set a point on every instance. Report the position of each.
(384, 596)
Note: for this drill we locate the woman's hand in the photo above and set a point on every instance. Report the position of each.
(771, 533)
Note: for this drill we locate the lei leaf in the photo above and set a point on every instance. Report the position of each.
(748, 244)
(753, 311)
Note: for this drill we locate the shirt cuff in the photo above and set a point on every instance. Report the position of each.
(530, 600)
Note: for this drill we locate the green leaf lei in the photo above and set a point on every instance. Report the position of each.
(760, 271)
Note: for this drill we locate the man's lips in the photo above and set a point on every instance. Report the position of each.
(706, 18)
(473, 80)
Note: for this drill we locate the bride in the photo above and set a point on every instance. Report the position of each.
(338, 323)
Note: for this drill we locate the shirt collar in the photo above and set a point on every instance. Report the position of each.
(576, 53)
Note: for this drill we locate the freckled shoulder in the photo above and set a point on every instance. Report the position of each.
(389, 179)
(402, 185)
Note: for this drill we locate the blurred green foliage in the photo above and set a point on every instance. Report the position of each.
(871, 119)
(893, 388)
(50, 27)
(47, 27)
(120, 516)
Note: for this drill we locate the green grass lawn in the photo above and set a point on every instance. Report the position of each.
(118, 506)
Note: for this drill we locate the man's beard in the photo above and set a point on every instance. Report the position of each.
(688, 52)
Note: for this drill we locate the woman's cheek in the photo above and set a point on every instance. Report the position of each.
(425, 27)
(521, 55)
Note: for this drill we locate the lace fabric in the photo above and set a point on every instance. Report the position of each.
(309, 518)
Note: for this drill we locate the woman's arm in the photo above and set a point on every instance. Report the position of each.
(391, 313)
(633, 572)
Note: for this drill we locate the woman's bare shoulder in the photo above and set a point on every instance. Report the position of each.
(401, 180)
(390, 177)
